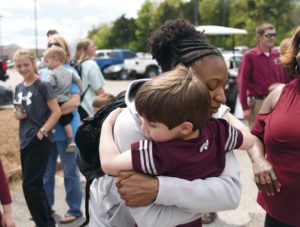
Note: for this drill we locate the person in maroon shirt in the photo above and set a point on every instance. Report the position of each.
(276, 154)
(259, 69)
(5, 199)
(182, 139)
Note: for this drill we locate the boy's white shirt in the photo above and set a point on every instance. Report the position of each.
(188, 198)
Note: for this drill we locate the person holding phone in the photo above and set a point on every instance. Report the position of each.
(35, 134)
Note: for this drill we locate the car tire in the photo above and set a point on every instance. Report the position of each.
(151, 72)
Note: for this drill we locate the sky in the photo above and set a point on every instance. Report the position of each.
(71, 18)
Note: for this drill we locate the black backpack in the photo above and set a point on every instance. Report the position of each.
(87, 140)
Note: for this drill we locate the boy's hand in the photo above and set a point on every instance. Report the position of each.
(111, 118)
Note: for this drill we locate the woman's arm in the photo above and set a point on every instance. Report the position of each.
(264, 175)
(211, 194)
(237, 123)
(53, 118)
(71, 104)
(191, 198)
(7, 220)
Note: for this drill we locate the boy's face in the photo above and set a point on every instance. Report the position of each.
(52, 63)
(159, 132)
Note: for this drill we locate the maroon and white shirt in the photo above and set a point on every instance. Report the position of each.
(188, 159)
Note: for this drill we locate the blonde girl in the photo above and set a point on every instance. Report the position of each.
(40, 113)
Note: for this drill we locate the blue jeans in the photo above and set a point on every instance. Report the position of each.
(71, 178)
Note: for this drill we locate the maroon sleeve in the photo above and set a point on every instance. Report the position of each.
(135, 156)
(5, 197)
(258, 128)
(232, 138)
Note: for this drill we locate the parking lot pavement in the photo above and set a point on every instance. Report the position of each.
(21, 214)
(248, 214)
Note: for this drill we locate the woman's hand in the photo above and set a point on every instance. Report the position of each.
(19, 115)
(265, 177)
(137, 189)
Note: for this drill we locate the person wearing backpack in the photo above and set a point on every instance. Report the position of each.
(68, 159)
(92, 78)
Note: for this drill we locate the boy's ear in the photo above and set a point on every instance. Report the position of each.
(186, 127)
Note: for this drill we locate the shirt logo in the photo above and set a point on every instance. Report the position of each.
(25, 98)
(204, 146)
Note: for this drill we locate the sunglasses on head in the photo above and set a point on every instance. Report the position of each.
(270, 35)
(53, 44)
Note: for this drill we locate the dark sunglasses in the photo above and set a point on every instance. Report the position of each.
(270, 35)
(53, 44)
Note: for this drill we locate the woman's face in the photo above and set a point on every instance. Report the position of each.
(25, 67)
(213, 71)
(91, 50)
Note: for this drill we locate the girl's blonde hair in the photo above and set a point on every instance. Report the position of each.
(60, 41)
(21, 53)
(81, 48)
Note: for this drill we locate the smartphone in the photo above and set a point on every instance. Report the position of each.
(19, 107)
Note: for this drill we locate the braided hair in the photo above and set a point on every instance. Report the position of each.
(177, 41)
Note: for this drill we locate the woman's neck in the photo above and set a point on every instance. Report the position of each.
(30, 80)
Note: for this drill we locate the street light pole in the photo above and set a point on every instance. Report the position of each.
(36, 37)
(1, 44)
(196, 14)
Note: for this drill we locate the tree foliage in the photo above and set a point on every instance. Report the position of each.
(246, 14)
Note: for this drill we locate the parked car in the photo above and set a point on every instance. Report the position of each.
(3, 70)
(107, 58)
(141, 66)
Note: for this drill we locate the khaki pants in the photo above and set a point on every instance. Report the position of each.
(255, 105)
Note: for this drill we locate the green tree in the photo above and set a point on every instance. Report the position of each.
(122, 33)
(143, 27)
(100, 36)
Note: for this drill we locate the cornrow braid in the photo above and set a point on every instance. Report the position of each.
(177, 41)
(191, 50)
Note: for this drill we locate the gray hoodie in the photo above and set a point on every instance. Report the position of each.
(178, 201)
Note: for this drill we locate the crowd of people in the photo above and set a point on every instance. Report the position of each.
(175, 164)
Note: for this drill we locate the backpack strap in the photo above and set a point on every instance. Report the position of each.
(83, 94)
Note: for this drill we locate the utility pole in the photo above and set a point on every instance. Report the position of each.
(1, 44)
(196, 14)
(35, 30)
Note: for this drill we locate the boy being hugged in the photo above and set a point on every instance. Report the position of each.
(183, 140)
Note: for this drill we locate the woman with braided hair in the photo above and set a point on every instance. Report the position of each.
(169, 201)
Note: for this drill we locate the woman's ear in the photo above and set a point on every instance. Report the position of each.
(186, 127)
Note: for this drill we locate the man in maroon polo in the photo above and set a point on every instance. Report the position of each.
(259, 69)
